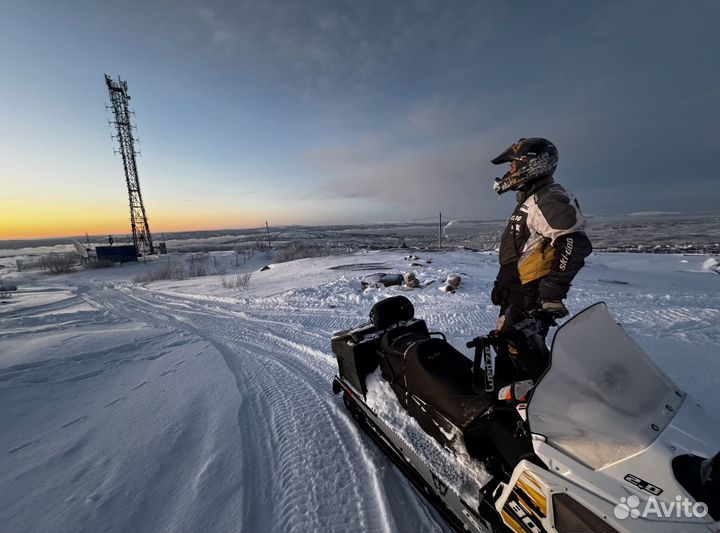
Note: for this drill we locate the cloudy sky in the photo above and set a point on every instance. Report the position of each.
(338, 111)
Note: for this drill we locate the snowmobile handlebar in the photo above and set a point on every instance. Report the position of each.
(539, 322)
(479, 341)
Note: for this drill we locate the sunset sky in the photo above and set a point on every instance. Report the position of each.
(315, 112)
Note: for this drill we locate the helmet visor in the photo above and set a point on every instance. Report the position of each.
(510, 154)
(505, 157)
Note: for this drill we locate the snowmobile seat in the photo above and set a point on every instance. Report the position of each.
(426, 371)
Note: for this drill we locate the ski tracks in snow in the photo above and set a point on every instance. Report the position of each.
(305, 466)
(148, 433)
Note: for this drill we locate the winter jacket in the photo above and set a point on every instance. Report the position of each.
(542, 248)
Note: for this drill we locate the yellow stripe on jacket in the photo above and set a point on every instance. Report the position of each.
(537, 263)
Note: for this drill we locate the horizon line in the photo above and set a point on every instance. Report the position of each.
(424, 221)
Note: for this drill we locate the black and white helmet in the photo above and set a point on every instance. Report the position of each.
(535, 158)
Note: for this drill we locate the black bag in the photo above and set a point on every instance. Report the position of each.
(357, 356)
(390, 311)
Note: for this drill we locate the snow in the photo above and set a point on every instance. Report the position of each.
(654, 213)
(712, 264)
(457, 469)
(188, 406)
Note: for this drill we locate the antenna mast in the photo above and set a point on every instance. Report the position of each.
(119, 99)
(440, 229)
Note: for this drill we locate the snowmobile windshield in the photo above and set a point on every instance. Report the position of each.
(602, 399)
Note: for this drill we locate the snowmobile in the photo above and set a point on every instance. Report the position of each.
(597, 443)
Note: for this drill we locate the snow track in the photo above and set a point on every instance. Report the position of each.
(290, 415)
(277, 453)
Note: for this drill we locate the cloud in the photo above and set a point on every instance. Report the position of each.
(222, 35)
(329, 47)
(430, 157)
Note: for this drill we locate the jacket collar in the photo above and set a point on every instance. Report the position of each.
(533, 188)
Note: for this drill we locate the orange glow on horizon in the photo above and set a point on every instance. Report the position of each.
(48, 220)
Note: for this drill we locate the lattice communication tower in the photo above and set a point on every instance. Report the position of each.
(119, 99)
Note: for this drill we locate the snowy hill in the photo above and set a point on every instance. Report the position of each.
(189, 406)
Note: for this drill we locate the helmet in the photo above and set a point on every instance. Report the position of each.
(535, 158)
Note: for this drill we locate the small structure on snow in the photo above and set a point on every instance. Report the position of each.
(116, 254)
(381, 279)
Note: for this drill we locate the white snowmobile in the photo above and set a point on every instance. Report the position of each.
(602, 442)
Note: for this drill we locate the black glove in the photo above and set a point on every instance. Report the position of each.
(495, 294)
(554, 309)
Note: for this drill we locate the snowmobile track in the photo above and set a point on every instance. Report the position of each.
(288, 405)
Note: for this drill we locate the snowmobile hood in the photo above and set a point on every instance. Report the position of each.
(602, 399)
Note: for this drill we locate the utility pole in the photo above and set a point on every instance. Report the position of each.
(268, 233)
(440, 229)
(119, 98)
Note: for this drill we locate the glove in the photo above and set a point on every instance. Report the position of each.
(495, 294)
(555, 309)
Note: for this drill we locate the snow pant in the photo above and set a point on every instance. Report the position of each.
(522, 356)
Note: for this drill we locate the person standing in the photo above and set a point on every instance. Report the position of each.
(544, 244)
